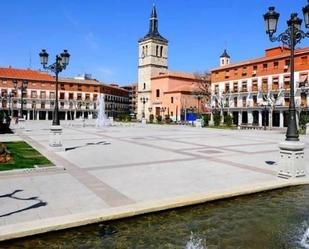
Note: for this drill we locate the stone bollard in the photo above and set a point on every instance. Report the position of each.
(292, 161)
(55, 136)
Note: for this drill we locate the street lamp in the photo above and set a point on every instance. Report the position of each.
(23, 87)
(291, 151)
(144, 101)
(60, 64)
(290, 37)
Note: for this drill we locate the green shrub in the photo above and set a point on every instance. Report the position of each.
(159, 119)
(206, 119)
(167, 119)
(303, 120)
(228, 120)
(151, 118)
(217, 118)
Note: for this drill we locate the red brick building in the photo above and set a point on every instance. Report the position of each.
(77, 97)
(243, 89)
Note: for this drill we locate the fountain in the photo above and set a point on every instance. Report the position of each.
(305, 239)
(196, 243)
(101, 119)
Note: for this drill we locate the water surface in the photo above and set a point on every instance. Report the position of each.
(276, 219)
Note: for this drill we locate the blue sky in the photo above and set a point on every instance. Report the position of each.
(102, 35)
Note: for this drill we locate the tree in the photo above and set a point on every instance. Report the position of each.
(202, 92)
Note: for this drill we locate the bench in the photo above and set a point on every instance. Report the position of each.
(250, 127)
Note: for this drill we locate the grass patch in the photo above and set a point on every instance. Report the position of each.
(24, 156)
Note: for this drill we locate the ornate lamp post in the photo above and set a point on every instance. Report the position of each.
(23, 87)
(163, 109)
(291, 150)
(58, 66)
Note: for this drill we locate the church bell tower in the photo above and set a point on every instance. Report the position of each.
(153, 58)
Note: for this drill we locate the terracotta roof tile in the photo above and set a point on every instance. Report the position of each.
(27, 74)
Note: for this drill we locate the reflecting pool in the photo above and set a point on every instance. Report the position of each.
(276, 219)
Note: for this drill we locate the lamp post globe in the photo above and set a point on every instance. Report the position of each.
(306, 15)
(271, 21)
(43, 57)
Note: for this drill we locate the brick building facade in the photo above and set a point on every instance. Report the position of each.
(77, 97)
(257, 91)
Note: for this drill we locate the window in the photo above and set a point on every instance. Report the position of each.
(79, 96)
(235, 101)
(244, 101)
(275, 85)
(43, 95)
(265, 67)
(172, 114)
(254, 70)
(227, 74)
(244, 71)
(264, 85)
(244, 86)
(216, 88)
(71, 95)
(222, 61)
(235, 72)
(276, 64)
(144, 86)
(61, 95)
(286, 80)
(146, 52)
(304, 60)
(254, 85)
(227, 88)
(158, 93)
(254, 98)
(157, 50)
(33, 94)
(286, 65)
(79, 88)
(62, 86)
(172, 100)
(51, 95)
(235, 87)
(161, 51)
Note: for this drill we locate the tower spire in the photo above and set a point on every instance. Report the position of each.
(153, 27)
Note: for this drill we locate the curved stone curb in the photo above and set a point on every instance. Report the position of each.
(37, 169)
(75, 220)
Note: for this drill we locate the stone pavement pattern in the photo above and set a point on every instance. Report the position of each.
(131, 168)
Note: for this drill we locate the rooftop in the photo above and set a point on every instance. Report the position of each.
(25, 74)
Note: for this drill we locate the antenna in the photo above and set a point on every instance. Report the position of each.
(30, 60)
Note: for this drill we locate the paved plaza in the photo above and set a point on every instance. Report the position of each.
(129, 169)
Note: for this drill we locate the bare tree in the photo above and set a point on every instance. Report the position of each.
(203, 88)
